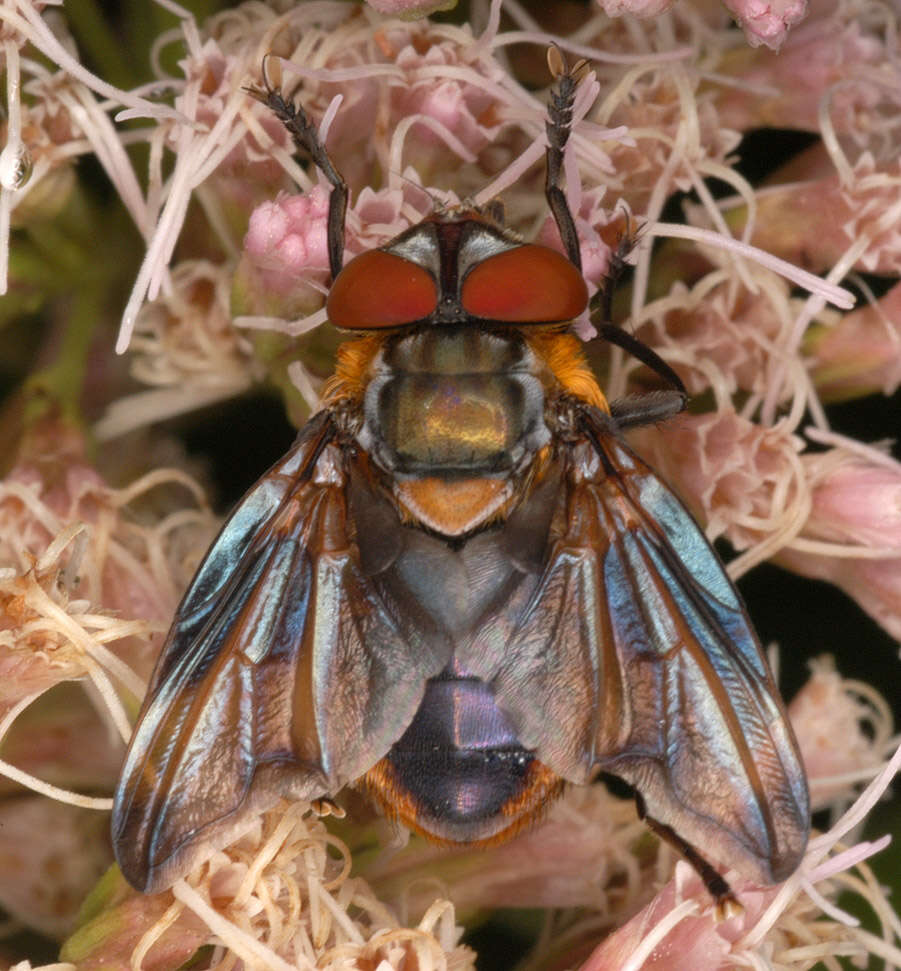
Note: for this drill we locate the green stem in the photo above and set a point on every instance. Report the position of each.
(100, 45)
(60, 385)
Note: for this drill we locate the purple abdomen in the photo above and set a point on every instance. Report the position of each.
(460, 761)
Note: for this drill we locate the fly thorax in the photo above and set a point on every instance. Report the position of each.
(454, 402)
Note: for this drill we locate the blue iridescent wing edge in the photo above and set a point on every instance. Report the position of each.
(283, 674)
(636, 656)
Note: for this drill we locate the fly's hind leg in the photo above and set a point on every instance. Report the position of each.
(727, 904)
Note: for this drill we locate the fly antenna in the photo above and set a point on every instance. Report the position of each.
(436, 203)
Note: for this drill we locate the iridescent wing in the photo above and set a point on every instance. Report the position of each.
(283, 674)
(634, 655)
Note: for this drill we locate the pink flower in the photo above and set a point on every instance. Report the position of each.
(858, 502)
(743, 480)
(76, 570)
(767, 21)
(803, 221)
(60, 739)
(678, 930)
(449, 103)
(720, 333)
(832, 47)
(638, 8)
(187, 348)
(843, 730)
(284, 268)
(654, 116)
(255, 898)
(871, 196)
(816, 221)
(411, 8)
(763, 22)
(852, 536)
(285, 263)
(39, 837)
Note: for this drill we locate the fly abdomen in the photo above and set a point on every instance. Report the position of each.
(459, 773)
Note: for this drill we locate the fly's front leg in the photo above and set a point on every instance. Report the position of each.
(306, 138)
(602, 302)
(558, 126)
(666, 403)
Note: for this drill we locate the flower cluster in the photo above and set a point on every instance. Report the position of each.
(90, 576)
(738, 286)
(281, 897)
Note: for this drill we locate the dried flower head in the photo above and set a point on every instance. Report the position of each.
(79, 573)
(280, 896)
(87, 584)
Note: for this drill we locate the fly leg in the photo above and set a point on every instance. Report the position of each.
(558, 126)
(602, 319)
(602, 301)
(726, 903)
(306, 139)
(647, 408)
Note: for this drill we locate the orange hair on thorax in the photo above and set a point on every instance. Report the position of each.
(351, 368)
(562, 353)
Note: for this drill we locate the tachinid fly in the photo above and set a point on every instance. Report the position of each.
(460, 589)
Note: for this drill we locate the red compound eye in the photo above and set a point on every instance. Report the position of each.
(378, 289)
(529, 284)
